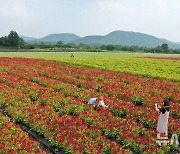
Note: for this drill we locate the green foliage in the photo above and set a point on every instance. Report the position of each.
(67, 93)
(85, 99)
(59, 87)
(111, 134)
(18, 117)
(146, 122)
(59, 44)
(89, 121)
(2, 103)
(100, 77)
(83, 108)
(72, 110)
(139, 131)
(75, 94)
(165, 47)
(137, 100)
(61, 103)
(0, 122)
(79, 85)
(33, 79)
(110, 47)
(106, 150)
(175, 114)
(34, 96)
(44, 102)
(99, 88)
(13, 39)
(119, 113)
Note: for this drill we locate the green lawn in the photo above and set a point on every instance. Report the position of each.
(80, 54)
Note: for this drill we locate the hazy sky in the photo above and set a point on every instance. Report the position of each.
(38, 18)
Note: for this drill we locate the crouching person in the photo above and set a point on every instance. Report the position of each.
(101, 103)
(98, 103)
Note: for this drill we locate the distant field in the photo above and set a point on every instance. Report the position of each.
(80, 54)
(116, 61)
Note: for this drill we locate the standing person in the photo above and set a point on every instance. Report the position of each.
(162, 125)
(72, 55)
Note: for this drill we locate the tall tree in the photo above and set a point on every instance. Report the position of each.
(165, 47)
(13, 39)
(60, 44)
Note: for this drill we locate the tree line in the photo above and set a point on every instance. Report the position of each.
(14, 41)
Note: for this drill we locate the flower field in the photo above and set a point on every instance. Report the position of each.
(51, 99)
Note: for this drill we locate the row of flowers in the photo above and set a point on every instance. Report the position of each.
(14, 140)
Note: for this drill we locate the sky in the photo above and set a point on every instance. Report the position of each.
(38, 18)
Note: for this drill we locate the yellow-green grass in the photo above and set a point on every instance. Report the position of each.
(81, 54)
(116, 61)
(147, 67)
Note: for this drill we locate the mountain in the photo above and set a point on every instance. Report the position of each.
(54, 38)
(26, 38)
(64, 37)
(126, 38)
(93, 40)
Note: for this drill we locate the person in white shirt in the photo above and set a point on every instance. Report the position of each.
(93, 101)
